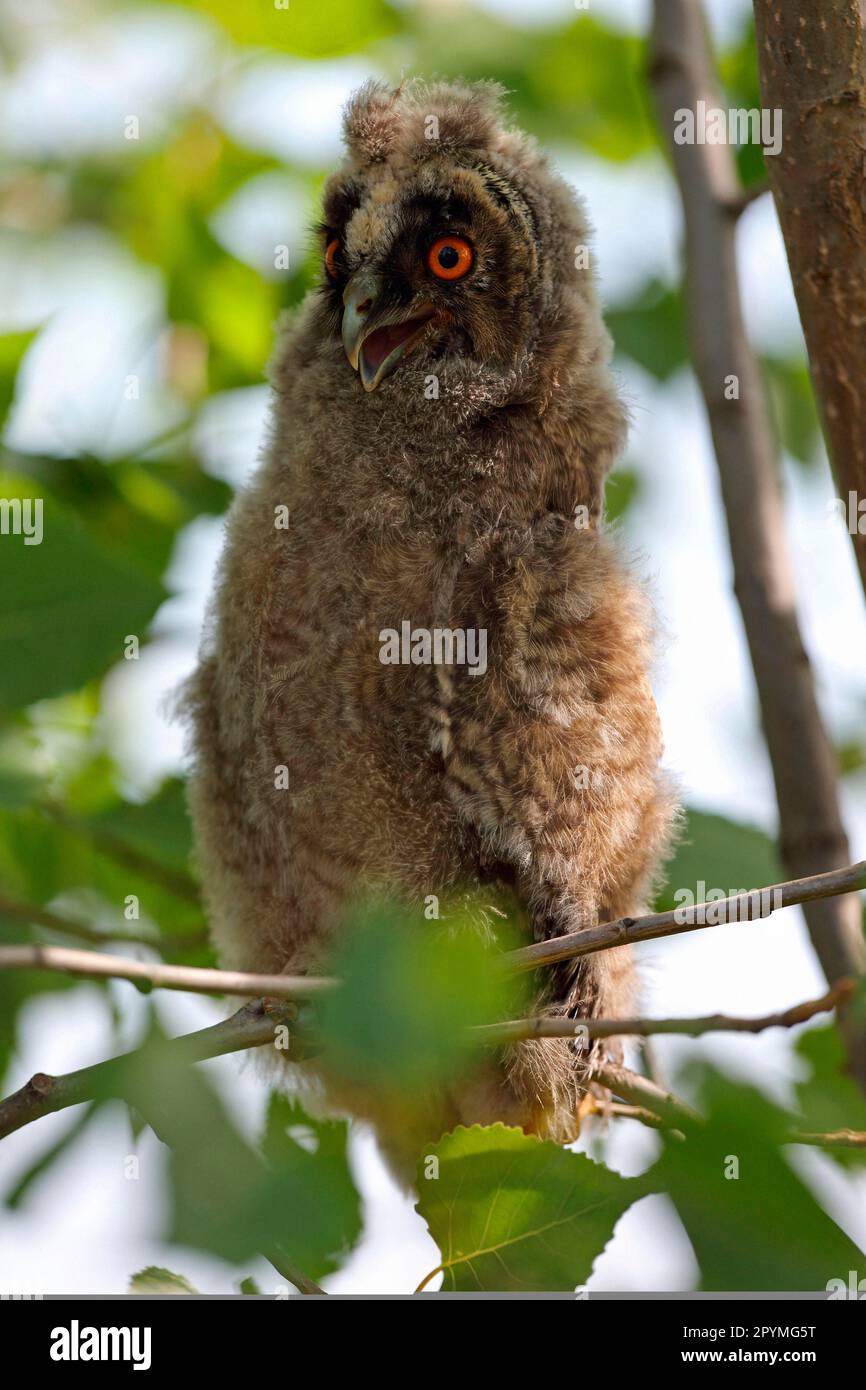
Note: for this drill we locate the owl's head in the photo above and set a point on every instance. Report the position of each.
(446, 238)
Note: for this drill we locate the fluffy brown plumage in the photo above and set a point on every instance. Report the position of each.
(477, 508)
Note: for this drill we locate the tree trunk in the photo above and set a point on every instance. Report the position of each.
(812, 836)
(812, 61)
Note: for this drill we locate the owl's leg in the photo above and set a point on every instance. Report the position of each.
(573, 875)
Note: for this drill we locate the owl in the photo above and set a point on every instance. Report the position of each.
(425, 670)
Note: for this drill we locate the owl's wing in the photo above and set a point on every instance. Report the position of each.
(552, 751)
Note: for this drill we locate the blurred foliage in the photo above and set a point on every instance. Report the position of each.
(793, 403)
(409, 991)
(304, 28)
(711, 850)
(753, 1223)
(651, 330)
(67, 620)
(12, 349)
(828, 1098)
(738, 71)
(230, 1198)
(79, 843)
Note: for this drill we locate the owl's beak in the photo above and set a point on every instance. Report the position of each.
(359, 298)
(375, 346)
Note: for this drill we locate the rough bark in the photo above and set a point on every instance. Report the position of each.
(812, 62)
(812, 836)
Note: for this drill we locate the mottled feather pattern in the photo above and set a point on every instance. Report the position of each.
(477, 508)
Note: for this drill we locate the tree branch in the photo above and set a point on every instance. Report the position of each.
(835, 1139)
(252, 1026)
(195, 979)
(812, 65)
(526, 1029)
(639, 1091)
(614, 1109)
(744, 198)
(743, 907)
(256, 1024)
(812, 836)
(624, 931)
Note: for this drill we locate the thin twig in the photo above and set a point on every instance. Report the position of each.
(744, 197)
(615, 1110)
(646, 1095)
(744, 907)
(194, 979)
(252, 1026)
(526, 1029)
(256, 1024)
(626, 930)
(671, 1112)
(836, 1139)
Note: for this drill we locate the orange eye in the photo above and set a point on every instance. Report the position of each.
(450, 258)
(330, 257)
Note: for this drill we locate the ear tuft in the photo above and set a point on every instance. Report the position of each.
(371, 120)
(378, 119)
(470, 115)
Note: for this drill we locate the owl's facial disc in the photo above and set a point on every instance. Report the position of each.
(374, 344)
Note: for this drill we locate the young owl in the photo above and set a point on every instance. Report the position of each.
(426, 669)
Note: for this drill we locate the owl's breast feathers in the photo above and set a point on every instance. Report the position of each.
(426, 665)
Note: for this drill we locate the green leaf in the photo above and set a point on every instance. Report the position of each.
(65, 606)
(410, 989)
(516, 1214)
(850, 757)
(159, 827)
(828, 1099)
(621, 488)
(44, 856)
(738, 69)
(793, 403)
(12, 349)
(249, 1287)
(310, 1150)
(717, 853)
(752, 1222)
(154, 1280)
(651, 330)
(309, 28)
(227, 1198)
(237, 309)
(588, 83)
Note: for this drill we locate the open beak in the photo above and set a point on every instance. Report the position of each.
(375, 346)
